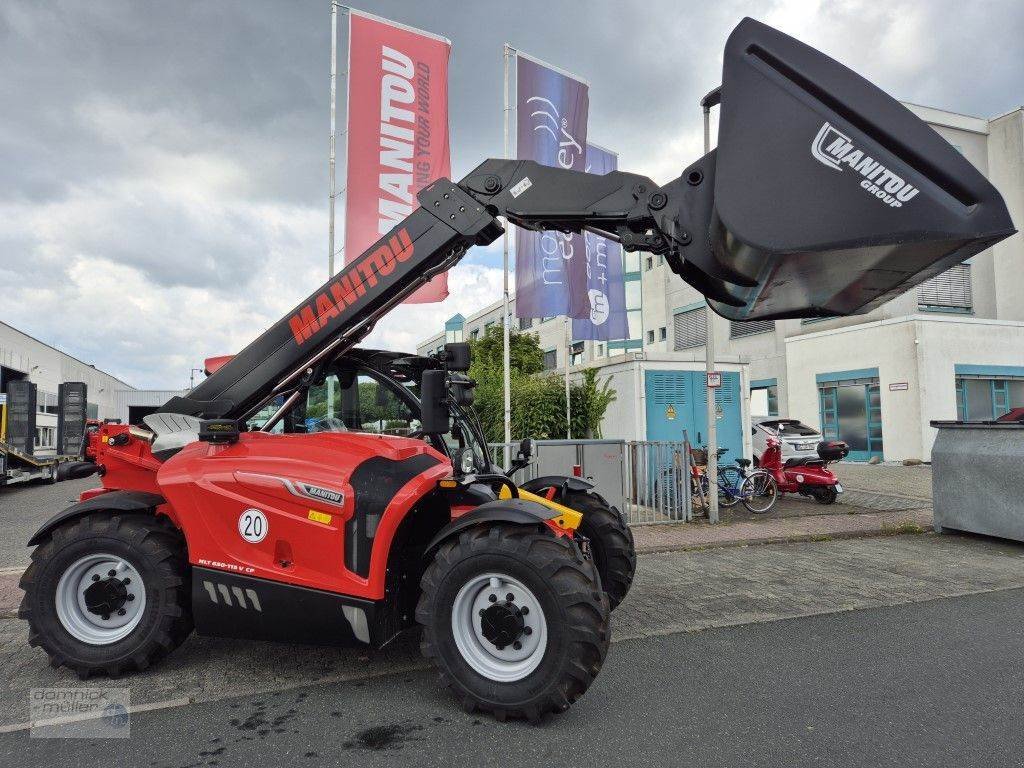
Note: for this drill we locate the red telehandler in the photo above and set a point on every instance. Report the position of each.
(268, 503)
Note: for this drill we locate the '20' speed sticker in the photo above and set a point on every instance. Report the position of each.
(252, 526)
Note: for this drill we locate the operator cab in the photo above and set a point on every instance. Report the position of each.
(380, 392)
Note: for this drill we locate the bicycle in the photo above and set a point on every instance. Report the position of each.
(757, 489)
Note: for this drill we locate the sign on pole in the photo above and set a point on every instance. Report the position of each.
(551, 129)
(714, 379)
(397, 130)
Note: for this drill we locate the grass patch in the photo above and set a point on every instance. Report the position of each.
(907, 526)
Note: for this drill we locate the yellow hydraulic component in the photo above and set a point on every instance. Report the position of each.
(569, 519)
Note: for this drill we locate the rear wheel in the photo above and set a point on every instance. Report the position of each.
(108, 594)
(611, 542)
(515, 620)
(729, 481)
(825, 495)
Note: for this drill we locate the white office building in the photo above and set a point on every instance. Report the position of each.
(951, 348)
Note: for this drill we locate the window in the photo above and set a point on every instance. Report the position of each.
(600, 350)
(649, 263)
(453, 335)
(662, 333)
(690, 329)
(948, 292)
(982, 398)
(738, 329)
(44, 437)
(92, 411)
(474, 334)
(550, 360)
(545, 319)
(525, 322)
(487, 325)
(577, 353)
(650, 337)
(661, 259)
(361, 403)
(46, 402)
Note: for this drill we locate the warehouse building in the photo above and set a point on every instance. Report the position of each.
(951, 348)
(25, 357)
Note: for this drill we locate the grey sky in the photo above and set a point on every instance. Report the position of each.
(163, 169)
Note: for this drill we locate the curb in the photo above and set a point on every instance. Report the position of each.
(795, 538)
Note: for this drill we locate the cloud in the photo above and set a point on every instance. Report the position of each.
(163, 184)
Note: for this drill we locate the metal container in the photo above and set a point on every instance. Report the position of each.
(977, 478)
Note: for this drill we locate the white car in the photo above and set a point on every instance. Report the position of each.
(798, 440)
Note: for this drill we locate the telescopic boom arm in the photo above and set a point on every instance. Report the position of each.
(433, 238)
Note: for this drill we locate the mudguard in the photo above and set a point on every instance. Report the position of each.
(519, 511)
(538, 484)
(120, 501)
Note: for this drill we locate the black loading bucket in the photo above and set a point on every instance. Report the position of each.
(830, 197)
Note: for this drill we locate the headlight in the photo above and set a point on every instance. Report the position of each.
(467, 463)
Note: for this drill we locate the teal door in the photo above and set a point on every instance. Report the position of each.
(677, 400)
(851, 410)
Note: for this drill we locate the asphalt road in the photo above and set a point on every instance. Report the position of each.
(927, 684)
(25, 507)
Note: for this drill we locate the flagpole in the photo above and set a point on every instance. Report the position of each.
(568, 357)
(506, 321)
(331, 161)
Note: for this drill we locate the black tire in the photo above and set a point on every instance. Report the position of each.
(825, 495)
(155, 549)
(611, 542)
(567, 587)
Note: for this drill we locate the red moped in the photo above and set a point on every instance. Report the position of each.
(806, 475)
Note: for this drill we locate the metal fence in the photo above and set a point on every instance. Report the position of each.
(646, 480)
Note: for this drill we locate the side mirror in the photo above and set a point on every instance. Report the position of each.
(456, 356)
(435, 417)
(527, 448)
(462, 388)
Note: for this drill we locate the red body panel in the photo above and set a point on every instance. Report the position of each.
(208, 487)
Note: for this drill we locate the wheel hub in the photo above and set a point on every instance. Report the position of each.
(502, 624)
(100, 598)
(499, 627)
(106, 596)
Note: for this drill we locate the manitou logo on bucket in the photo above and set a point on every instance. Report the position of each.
(835, 149)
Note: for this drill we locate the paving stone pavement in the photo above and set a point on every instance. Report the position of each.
(887, 479)
(674, 592)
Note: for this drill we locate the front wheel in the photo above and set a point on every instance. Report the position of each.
(515, 620)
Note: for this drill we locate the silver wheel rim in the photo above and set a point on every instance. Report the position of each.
(508, 664)
(759, 485)
(75, 616)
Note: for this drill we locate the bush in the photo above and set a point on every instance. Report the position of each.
(538, 397)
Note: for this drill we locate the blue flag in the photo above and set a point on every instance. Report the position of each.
(551, 128)
(606, 288)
